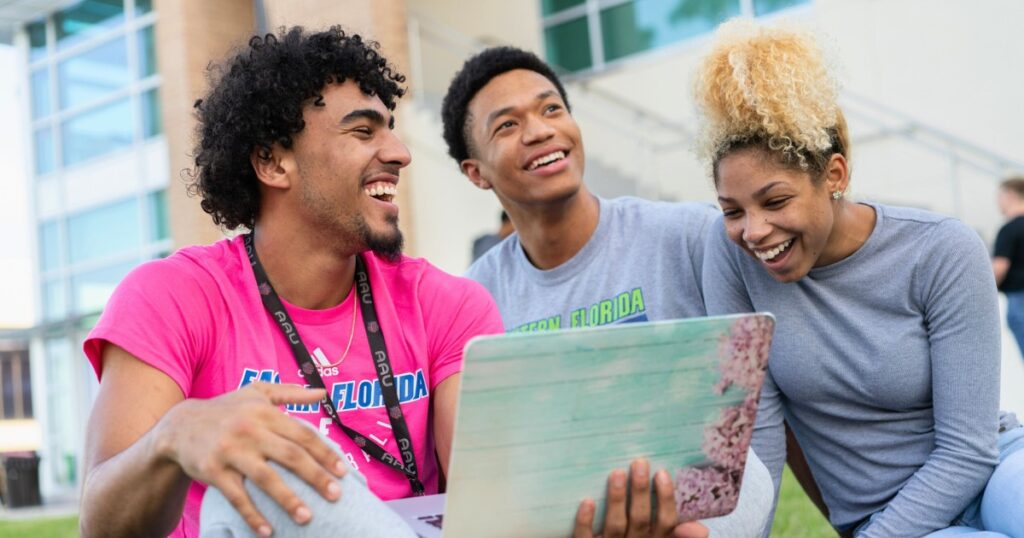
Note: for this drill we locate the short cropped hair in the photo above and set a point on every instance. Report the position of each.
(257, 99)
(1014, 184)
(474, 75)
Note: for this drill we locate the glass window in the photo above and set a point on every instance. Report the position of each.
(646, 24)
(36, 40)
(7, 385)
(152, 124)
(45, 152)
(143, 6)
(763, 7)
(554, 6)
(85, 19)
(26, 387)
(40, 82)
(63, 424)
(97, 132)
(568, 45)
(146, 44)
(55, 303)
(16, 380)
(103, 232)
(93, 74)
(158, 228)
(49, 246)
(91, 290)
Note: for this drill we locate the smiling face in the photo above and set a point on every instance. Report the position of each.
(346, 167)
(523, 142)
(778, 215)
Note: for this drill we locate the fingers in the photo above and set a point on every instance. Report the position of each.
(313, 446)
(690, 529)
(284, 393)
(667, 516)
(230, 484)
(615, 509)
(299, 461)
(266, 478)
(639, 498)
(584, 527)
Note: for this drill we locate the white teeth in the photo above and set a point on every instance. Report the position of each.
(381, 190)
(768, 255)
(551, 157)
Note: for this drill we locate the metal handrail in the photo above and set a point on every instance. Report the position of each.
(909, 128)
(469, 45)
(960, 150)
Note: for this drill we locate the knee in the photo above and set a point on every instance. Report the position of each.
(1004, 497)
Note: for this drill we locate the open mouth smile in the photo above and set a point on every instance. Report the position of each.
(772, 253)
(382, 191)
(546, 160)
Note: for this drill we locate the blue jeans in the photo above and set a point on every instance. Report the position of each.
(1015, 316)
(999, 511)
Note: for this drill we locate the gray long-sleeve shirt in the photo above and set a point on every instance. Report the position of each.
(885, 365)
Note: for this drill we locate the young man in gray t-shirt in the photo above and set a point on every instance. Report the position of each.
(576, 260)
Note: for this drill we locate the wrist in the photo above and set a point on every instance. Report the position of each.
(163, 438)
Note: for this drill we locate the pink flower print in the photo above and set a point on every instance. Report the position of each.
(726, 439)
(744, 353)
(702, 491)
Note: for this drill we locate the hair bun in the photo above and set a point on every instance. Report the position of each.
(766, 82)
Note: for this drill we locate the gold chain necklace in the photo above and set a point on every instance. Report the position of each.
(351, 332)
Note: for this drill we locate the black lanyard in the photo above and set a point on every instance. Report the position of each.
(380, 361)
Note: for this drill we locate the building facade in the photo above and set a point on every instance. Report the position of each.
(110, 86)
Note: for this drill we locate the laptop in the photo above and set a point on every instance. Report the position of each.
(544, 417)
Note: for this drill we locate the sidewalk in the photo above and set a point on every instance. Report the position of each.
(53, 506)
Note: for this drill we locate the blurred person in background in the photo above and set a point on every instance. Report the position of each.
(1008, 256)
(484, 243)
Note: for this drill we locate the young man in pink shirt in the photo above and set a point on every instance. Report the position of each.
(196, 353)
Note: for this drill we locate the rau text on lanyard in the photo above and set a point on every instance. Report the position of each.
(381, 363)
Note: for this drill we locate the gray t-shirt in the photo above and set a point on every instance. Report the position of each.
(885, 365)
(643, 262)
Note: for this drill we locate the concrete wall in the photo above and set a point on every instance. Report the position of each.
(190, 34)
(945, 64)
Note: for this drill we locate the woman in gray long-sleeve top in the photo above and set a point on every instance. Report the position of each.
(885, 362)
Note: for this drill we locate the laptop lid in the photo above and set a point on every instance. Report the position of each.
(544, 417)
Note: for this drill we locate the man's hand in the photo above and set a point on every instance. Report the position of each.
(224, 440)
(637, 519)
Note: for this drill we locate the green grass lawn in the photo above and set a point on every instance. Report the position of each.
(795, 518)
(55, 527)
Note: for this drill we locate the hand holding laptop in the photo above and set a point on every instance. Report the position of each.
(634, 517)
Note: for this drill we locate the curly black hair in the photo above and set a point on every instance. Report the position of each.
(474, 75)
(257, 99)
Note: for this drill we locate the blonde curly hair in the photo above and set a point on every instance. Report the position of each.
(770, 88)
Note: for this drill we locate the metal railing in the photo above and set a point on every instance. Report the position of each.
(654, 143)
(643, 140)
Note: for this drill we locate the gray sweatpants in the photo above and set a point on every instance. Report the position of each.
(357, 513)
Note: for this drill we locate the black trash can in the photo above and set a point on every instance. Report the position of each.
(19, 485)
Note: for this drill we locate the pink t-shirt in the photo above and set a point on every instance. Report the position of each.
(197, 317)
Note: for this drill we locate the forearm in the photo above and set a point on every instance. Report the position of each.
(931, 499)
(138, 492)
